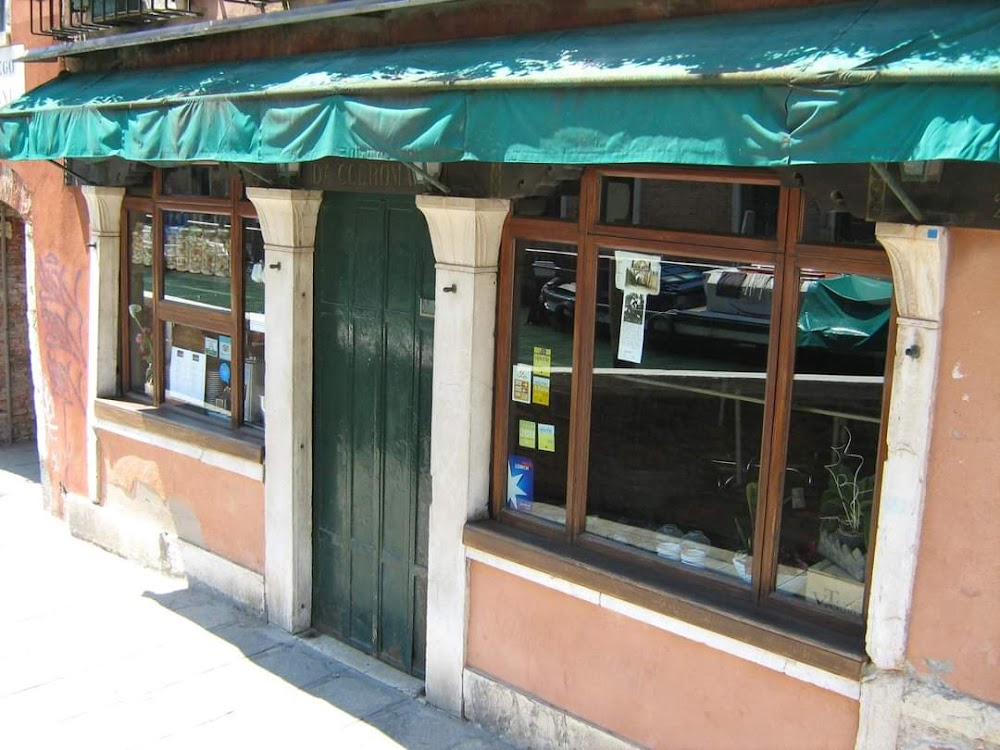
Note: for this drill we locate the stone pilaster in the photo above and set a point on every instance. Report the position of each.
(466, 235)
(288, 223)
(104, 207)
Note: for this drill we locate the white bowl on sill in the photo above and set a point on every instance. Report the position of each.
(669, 550)
(693, 556)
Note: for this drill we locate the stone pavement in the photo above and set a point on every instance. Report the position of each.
(98, 652)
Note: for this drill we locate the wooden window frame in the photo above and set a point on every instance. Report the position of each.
(789, 256)
(236, 208)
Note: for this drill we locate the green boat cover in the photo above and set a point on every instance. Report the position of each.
(881, 80)
(847, 314)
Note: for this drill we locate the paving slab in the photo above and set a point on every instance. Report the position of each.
(96, 651)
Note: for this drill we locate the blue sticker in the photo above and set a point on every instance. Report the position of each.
(520, 482)
(932, 234)
(224, 372)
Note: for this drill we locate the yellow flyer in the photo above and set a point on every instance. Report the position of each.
(542, 363)
(547, 437)
(526, 433)
(540, 391)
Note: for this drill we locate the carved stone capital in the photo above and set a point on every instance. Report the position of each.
(104, 206)
(465, 231)
(918, 255)
(287, 217)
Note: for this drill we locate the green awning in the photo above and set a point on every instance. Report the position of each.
(881, 81)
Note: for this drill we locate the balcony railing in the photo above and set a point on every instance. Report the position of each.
(72, 19)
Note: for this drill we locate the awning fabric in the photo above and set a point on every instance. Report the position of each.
(872, 81)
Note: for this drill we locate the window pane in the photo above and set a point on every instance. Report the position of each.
(211, 181)
(253, 300)
(829, 487)
(140, 302)
(562, 203)
(677, 407)
(196, 260)
(704, 207)
(199, 369)
(541, 357)
(835, 226)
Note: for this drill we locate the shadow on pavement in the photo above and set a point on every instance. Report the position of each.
(391, 718)
(21, 459)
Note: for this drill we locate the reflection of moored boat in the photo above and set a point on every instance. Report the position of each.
(681, 287)
(844, 314)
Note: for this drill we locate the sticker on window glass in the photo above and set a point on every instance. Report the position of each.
(633, 328)
(542, 361)
(521, 384)
(540, 391)
(225, 348)
(520, 482)
(635, 272)
(526, 433)
(547, 437)
(211, 347)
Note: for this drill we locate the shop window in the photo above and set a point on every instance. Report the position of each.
(709, 415)
(193, 310)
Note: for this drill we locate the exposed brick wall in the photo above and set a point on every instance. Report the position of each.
(19, 406)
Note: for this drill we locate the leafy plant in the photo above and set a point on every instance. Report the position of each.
(746, 537)
(846, 504)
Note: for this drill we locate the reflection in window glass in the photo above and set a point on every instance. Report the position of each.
(199, 369)
(562, 203)
(829, 489)
(677, 407)
(541, 379)
(196, 259)
(253, 347)
(140, 302)
(206, 181)
(703, 207)
(835, 227)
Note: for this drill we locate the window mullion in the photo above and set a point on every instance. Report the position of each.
(580, 397)
(777, 409)
(159, 354)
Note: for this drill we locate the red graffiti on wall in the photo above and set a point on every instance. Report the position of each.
(62, 330)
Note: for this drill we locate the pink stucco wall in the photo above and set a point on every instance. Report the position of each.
(955, 623)
(217, 510)
(649, 686)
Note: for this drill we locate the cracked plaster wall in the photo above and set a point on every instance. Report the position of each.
(206, 506)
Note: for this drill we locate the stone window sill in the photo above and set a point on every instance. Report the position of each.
(167, 428)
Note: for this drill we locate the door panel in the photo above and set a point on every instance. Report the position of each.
(372, 375)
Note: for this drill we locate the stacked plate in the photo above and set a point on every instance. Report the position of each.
(693, 556)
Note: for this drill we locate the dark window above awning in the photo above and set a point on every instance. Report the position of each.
(872, 81)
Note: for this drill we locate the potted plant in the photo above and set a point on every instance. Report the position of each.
(846, 504)
(144, 342)
(743, 556)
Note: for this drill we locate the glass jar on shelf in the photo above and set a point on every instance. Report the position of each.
(210, 241)
(147, 244)
(195, 242)
(222, 252)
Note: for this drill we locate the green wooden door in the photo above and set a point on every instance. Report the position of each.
(374, 291)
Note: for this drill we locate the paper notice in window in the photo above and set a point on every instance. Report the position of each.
(542, 361)
(547, 437)
(526, 433)
(521, 384)
(186, 376)
(631, 335)
(635, 272)
(540, 391)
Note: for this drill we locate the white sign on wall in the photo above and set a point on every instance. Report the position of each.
(11, 74)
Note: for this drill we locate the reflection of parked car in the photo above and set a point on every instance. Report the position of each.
(681, 288)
